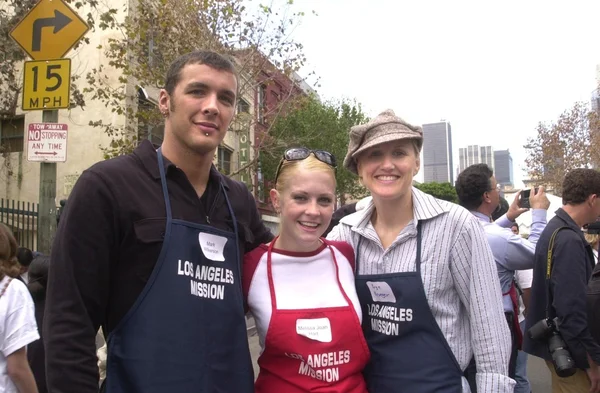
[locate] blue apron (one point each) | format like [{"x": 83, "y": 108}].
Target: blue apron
[
  {"x": 186, "y": 332},
  {"x": 408, "y": 350}
]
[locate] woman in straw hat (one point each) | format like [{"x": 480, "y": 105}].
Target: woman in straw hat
[{"x": 425, "y": 275}]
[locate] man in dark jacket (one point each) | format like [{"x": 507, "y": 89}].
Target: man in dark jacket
[
  {"x": 150, "y": 249},
  {"x": 572, "y": 264}
]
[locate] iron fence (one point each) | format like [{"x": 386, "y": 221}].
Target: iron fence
[{"x": 22, "y": 218}]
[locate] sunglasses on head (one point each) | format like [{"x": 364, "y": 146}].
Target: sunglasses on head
[{"x": 302, "y": 153}]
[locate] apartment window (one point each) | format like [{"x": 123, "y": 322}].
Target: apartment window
[
  {"x": 262, "y": 104},
  {"x": 243, "y": 106},
  {"x": 148, "y": 129},
  {"x": 12, "y": 133},
  {"x": 150, "y": 53},
  {"x": 224, "y": 160}
]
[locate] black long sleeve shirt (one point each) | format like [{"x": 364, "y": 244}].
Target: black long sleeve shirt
[
  {"x": 107, "y": 244},
  {"x": 572, "y": 266}
]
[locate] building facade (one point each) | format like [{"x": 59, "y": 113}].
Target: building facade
[
  {"x": 273, "y": 94},
  {"x": 474, "y": 154},
  {"x": 596, "y": 92},
  {"x": 503, "y": 169},
  {"x": 20, "y": 179},
  {"x": 437, "y": 153}
]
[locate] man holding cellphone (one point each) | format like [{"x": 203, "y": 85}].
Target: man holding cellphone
[{"x": 478, "y": 192}]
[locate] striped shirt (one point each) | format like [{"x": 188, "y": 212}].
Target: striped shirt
[{"x": 459, "y": 275}]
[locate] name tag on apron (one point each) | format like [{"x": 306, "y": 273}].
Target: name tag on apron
[
  {"x": 318, "y": 329},
  {"x": 381, "y": 292},
  {"x": 212, "y": 246}
]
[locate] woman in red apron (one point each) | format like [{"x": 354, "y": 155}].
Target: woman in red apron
[{"x": 300, "y": 288}]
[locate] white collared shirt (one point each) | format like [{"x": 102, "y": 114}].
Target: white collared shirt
[{"x": 459, "y": 275}]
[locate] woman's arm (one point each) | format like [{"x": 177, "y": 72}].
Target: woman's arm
[{"x": 19, "y": 371}]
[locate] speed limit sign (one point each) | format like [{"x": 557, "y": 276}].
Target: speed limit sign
[{"x": 46, "y": 84}]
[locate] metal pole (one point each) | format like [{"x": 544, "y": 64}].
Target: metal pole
[{"x": 47, "y": 210}]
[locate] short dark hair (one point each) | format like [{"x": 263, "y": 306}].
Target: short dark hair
[
  {"x": 211, "y": 59},
  {"x": 25, "y": 256},
  {"x": 579, "y": 184},
  {"x": 471, "y": 184},
  {"x": 38, "y": 277}
]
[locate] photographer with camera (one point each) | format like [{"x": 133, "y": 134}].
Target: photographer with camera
[
  {"x": 478, "y": 191},
  {"x": 557, "y": 320}
]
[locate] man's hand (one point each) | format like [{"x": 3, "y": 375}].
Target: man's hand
[
  {"x": 539, "y": 200},
  {"x": 514, "y": 210},
  {"x": 593, "y": 374}
]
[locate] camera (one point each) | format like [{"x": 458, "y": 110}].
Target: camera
[
  {"x": 524, "y": 198},
  {"x": 547, "y": 330}
]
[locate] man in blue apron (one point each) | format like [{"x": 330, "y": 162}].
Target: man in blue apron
[{"x": 151, "y": 248}]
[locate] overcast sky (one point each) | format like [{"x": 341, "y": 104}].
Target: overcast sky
[{"x": 493, "y": 70}]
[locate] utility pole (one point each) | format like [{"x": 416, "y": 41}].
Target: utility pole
[{"x": 47, "y": 210}]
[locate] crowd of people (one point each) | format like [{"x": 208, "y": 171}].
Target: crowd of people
[{"x": 399, "y": 292}]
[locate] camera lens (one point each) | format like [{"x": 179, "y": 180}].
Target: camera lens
[
  {"x": 539, "y": 331},
  {"x": 561, "y": 358}
]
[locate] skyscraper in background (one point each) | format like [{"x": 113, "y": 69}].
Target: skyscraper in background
[
  {"x": 596, "y": 103},
  {"x": 596, "y": 92},
  {"x": 503, "y": 169},
  {"x": 437, "y": 153},
  {"x": 474, "y": 154}
]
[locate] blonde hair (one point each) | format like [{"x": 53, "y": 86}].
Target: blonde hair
[
  {"x": 9, "y": 265},
  {"x": 290, "y": 168},
  {"x": 592, "y": 239}
]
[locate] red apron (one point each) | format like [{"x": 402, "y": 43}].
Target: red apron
[
  {"x": 312, "y": 350},
  {"x": 514, "y": 298}
]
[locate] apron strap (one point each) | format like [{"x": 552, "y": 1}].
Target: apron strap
[
  {"x": 235, "y": 231},
  {"x": 270, "y": 274},
  {"x": 357, "y": 257},
  {"x": 417, "y": 259},
  {"x": 163, "y": 181}
]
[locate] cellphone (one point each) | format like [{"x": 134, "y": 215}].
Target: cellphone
[{"x": 524, "y": 198}]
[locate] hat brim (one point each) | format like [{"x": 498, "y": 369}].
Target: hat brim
[{"x": 385, "y": 138}]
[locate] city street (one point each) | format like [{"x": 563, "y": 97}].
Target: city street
[{"x": 539, "y": 375}]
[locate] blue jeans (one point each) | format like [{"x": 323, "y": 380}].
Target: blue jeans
[{"x": 521, "y": 370}]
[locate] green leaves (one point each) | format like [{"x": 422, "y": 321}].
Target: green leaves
[
  {"x": 317, "y": 125},
  {"x": 445, "y": 191}
]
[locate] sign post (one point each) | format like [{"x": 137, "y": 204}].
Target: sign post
[
  {"x": 48, "y": 31},
  {"x": 47, "y": 210}
]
